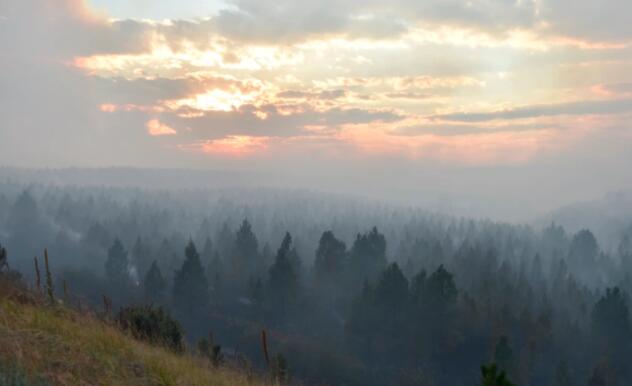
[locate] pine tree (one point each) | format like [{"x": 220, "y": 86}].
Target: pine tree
[
  {"x": 244, "y": 257},
  {"x": 117, "y": 265},
  {"x": 367, "y": 256},
  {"x": 391, "y": 291},
  {"x": 155, "y": 284},
  {"x": 190, "y": 286},
  {"x": 330, "y": 257},
  {"x": 611, "y": 317},
  {"x": 440, "y": 290},
  {"x": 282, "y": 279},
  {"x": 611, "y": 328},
  {"x": 584, "y": 247},
  {"x": 418, "y": 288}
]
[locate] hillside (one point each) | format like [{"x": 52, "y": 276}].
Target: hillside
[
  {"x": 609, "y": 218},
  {"x": 59, "y": 346}
]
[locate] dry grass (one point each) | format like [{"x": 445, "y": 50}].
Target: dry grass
[{"x": 69, "y": 348}]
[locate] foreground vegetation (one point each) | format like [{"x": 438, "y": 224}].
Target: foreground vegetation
[{"x": 52, "y": 344}]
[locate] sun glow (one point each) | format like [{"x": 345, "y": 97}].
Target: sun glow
[
  {"x": 214, "y": 100},
  {"x": 234, "y": 145}
]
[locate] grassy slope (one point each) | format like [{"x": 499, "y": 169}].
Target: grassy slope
[{"x": 69, "y": 348}]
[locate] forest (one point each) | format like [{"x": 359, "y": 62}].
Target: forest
[{"x": 349, "y": 291}]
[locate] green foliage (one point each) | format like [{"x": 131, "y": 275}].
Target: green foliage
[
  {"x": 153, "y": 325},
  {"x": 190, "y": 287},
  {"x": 492, "y": 377}
]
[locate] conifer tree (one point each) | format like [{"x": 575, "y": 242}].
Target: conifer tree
[
  {"x": 117, "y": 264},
  {"x": 367, "y": 256},
  {"x": 154, "y": 284},
  {"x": 329, "y": 259},
  {"x": 282, "y": 278},
  {"x": 244, "y": 257},
  {"x": 190, "y": 286}
]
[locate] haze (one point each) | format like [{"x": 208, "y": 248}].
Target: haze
[{"x": 502, "y": 109}]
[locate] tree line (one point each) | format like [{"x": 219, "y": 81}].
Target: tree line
[{"x": 414, "y": 300}]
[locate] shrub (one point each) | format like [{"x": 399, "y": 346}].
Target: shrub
[{"x": 153, "y": 325}]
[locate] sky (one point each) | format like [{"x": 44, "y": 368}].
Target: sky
[{"x": 522, "y": 104}]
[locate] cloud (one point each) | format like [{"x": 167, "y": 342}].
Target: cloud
[
  {"x": 290, "y": 21},
  {"x": 599, "y": 107},
  {"x": 614, "y": 89},
  {"x": 232, "y": 145},
  {"x": 368, "y": 81},
  {"x": 322, "y": 95},
  {"x": 248, "y": 121},
  {"x": 29, "y": 27},
  {"x": 593, "y": 20},
  {"x": 452, "y": 129},
  {"x": 156, "y": 128}
]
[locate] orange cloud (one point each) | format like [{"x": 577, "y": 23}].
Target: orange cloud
[
  {"x": 108, "y": 108},
  {"x": 234, "y": 145},
  {"x": 472, "y": 149},
  {"x": 156, "y": 128}
]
